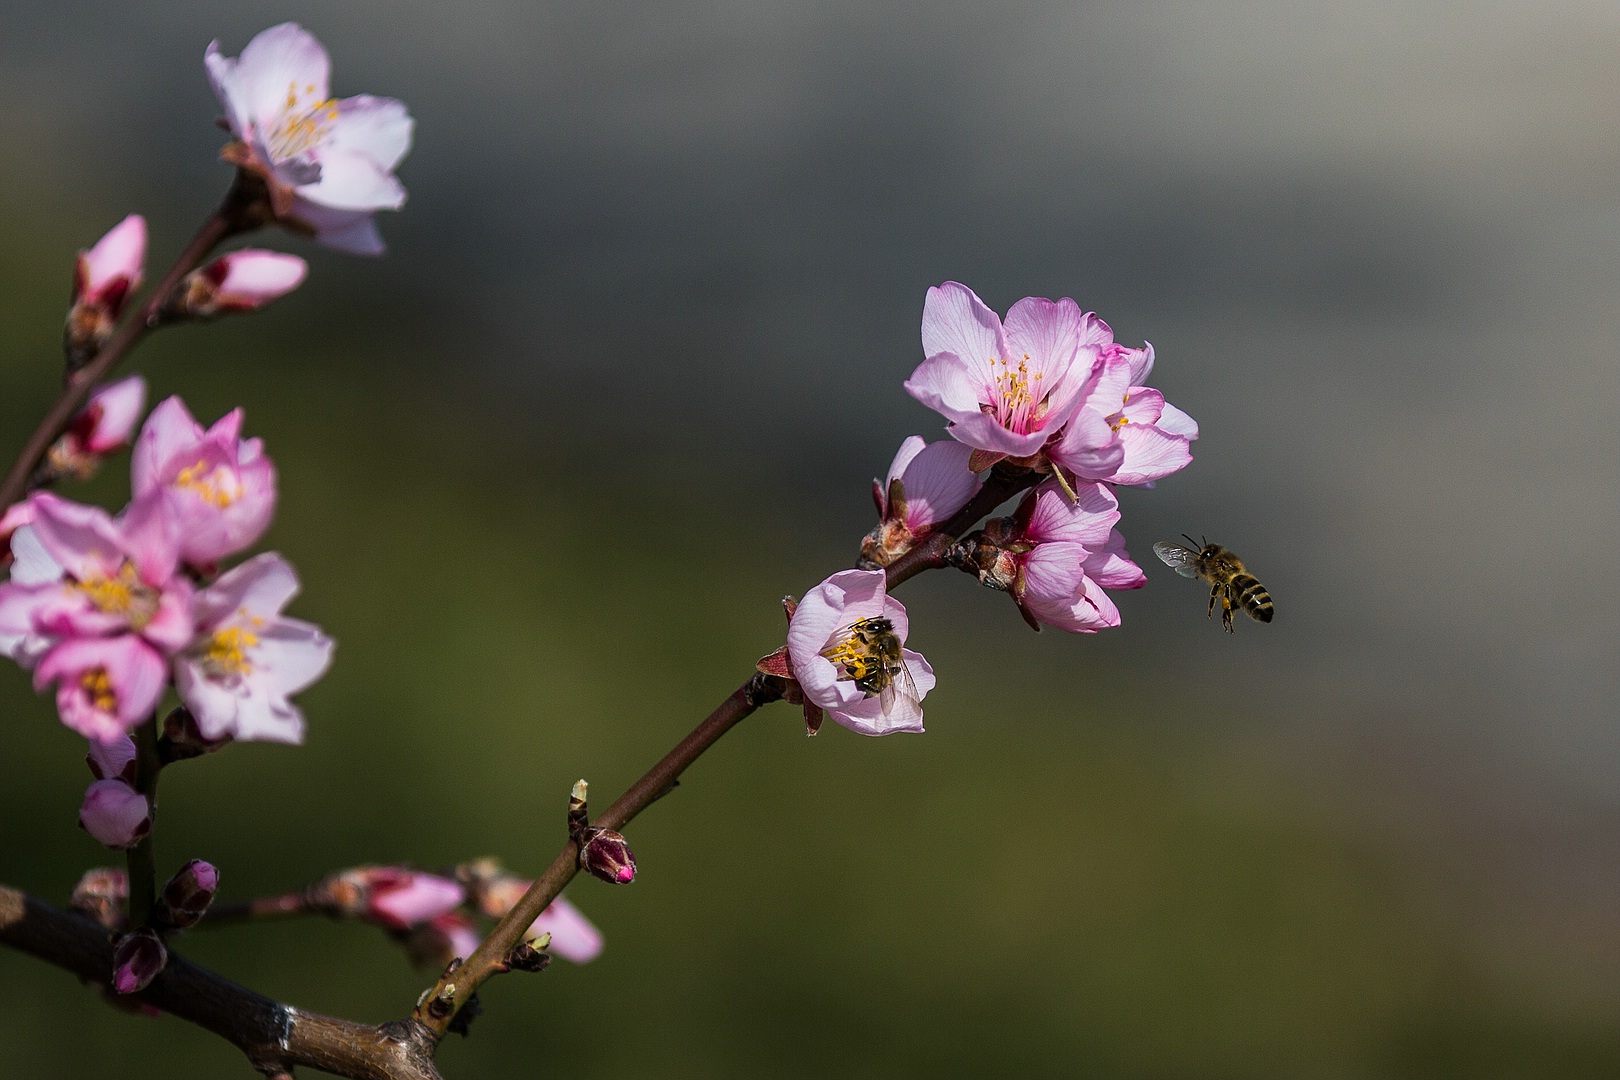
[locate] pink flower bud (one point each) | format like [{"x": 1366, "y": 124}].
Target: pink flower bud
[
  {"x": 103, "y": 279},
  {"x": 607, "y": 856},
  {"x": 113, "y": 760},
  {"x": 110, "y": 271},
  {"x": 115, "y": 814},
  {"x": 187, "y": 895},
  {"x": 137, "y": 959},
  {"x": 239, "y": 281},
  {"x": 102, "y": 894}
]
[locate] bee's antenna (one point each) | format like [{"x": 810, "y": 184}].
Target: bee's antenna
[
  {"x": 1195, "y": 543},
  {"x": 1206, "y": 540}
]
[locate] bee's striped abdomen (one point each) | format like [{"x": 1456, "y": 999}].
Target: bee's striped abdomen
[{"x": 1252, "y": 597}]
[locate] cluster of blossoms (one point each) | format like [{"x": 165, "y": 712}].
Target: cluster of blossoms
[
  {"x": 1047, "y": 394},
  {"x": 114, "y": 610}
]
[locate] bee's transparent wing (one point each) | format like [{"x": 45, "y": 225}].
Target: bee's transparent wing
[
  {"x": 1182, "y": 559},
  {"x": 899, "y": 700}
]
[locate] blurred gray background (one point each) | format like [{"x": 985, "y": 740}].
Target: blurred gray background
[{"x": 655, "y": 291}]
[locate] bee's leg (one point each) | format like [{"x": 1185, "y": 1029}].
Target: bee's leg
[
  {"x": 1214, "y": 595},
  {"x": 1226, "y": 612}
]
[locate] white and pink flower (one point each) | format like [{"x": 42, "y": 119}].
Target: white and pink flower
[
  {"x": 1124, "y": 432},
  {"x": 219, "y": 489},
  {"x": 248, "y": 658},
  {"x": 824, "y": 637},
  {"x": 926, "y": 484},
  {"x": 329, "y": 163},
  {"x": 100, "y": 607},
  {"x": 1006, "y": 387}
]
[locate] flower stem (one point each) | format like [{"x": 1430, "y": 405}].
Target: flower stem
[
  {"x": 141, "y": 861},
  {"x": 223, "y": 222},
  {"x": 454, "y": 988}
]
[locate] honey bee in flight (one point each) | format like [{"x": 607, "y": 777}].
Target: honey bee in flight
[
  {"x": 872, "y": 658},
  {"x": 1229, "y": 582}
]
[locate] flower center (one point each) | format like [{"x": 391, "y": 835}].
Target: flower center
[
  {"x": 219, "y": 486},
  {"x": 98, "y": 689},
  {"x": 304, "y": 123},
  {"x": 1021, "y": 399},
  {"x": 226, "y": 655},
  {"x": 125, "y": 595}
]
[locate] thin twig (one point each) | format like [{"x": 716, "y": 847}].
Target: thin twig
[{"x": 230, "y": 218}]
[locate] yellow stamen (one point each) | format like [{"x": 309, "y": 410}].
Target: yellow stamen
[
  {"x": 98, "y": 688},
  {"x": 218, "y": 485},
  {"x": 227, "y": 651},
  {"x": 125, "y": 595},
  {"x": 302, "y": 125}
]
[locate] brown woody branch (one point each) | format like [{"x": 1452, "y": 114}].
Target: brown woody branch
[{"x": 275, "y": 1037}]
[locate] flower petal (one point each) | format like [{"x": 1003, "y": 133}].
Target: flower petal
[
  {"x": 352, "y": 181},
  {"x": 377, "y": 127},
  {"x": 283, "y": 62}
]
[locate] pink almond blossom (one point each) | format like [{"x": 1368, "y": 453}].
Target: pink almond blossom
[
  {"x": 1055, "y": 554},
  {"x": 99, "y": 610},
  {"x": 926, "y": 484},
  {"x": 115, "y": 814},
  {"x": 248, "y": 658},
  {"x": 825, "y": 622},
  {"x": 1124, "y": 432},
  {"x": 219, "y": 488},
  {"x": 329, "y": 163},
  {"x": 573, "y": 937},
  {"x": 238, "y": 281},
  {"x": 1006, "y": 387}
]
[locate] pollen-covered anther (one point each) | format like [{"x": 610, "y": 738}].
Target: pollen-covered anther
[
  {"x": 227, "y": 652},
  {"x": 302, "y": 126},
  {"x": 98, "y": 687},
  {"x": 218, "y": 485},
  {"x": 123, "y": 594}
]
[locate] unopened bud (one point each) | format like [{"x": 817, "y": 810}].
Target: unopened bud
[
  {"x": 183, "y": 739},
  {"x": 605, "y": 855},
  {"x": 104, "y": 425},
  {"x": 531, "y": 955},
  {"x": 114, "y": 760},
  {"x": 236, "y": 282},
  {"x": 187, "y": 895},
  {"x": 115, "y": 814},
  {"x": 991, "y": 554},
  {"x": 578, "y": 820},
  {"x": 103, "y": 279},
  {"x": 102, "y": 894},
  {"x": 137, "y": 959}
]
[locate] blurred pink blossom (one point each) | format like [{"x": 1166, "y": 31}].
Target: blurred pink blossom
[
  {"x": 573, "y": 937},
  {"x": 329, "y": 164},
  {"x": 114, "y": 760},
  {"x": 218, "y": 488},
  {"x": 400, "y": 899}
]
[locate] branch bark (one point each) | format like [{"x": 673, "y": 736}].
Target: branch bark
[{"x": 275, "y": 1037}]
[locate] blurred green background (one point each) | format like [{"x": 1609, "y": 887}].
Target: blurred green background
[{"x": 547, "y": 469}]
